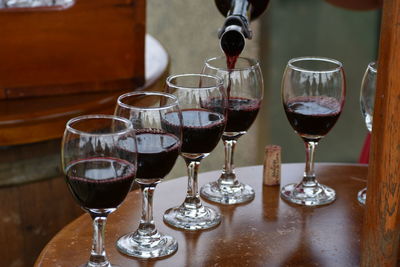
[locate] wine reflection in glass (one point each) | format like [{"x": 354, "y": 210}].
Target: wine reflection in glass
[
  {"x": 367, "y": 100},
  {"x": 245, "y": 88},
  {"x": 99, "y": 162},
  {"x": 313, "y": 94},
  {"x": 202, "y": 127},
  {"x": 158, "y": 148}
]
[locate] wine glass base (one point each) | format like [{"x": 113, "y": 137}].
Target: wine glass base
[
  {"x": 362, "y": 196},
  {"x": 308, "y": 196},
  {"x": 192, "y": 218},
  {"x": 227, "y": 194},
  {"x": 92, "y": 264},
  {"x": 147, "y": 246}
]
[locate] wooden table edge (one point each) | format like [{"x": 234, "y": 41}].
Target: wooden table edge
[{"x": 82, "y": 217}]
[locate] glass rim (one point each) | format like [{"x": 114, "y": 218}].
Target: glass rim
[
  {"x": 147, "y": 93},
  {"x": 254, "y": 63},
  {"x": 311, "y": 58},
  {"x": 372, "y": 66},
  {"x": 71, "y": 129},
  {"x": 219, "y": 81}
]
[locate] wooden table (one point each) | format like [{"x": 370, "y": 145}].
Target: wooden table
[{"x": 265, "y": 232}]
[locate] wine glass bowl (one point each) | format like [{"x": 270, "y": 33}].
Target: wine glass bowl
[
  {"x": 244, "y": 85},
  {"x": 99, "y": 162},
  {"x": 158, "y": 148},
  {"x": 313, "y": 94},
  {"x": 202, "y": 126},
  {"x": 367, "y": 101}
]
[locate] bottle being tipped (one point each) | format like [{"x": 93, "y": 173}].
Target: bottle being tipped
[{"x": 236, "y": 27}]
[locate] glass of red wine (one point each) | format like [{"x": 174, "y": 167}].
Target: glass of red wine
[
  {"x": 158, "y": 149},
  {"x": 313, "y": 94},
  {"x": 244, "y": 85},
  {"x": 367, "y": 101},
  {"x": 99, "y": 162},
  {"x": 202, "y": 126}
]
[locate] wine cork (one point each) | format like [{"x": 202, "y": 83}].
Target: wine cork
[{"x": 272, "y": 165}]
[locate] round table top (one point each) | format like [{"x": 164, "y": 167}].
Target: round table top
[{"x": 264, "y": 232}]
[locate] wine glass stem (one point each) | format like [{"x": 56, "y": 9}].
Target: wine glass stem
[
  {"x": 98, "y": 254},
  {"x": 192, "y": 197},
  {"x": 228, "y": 173},
  {"x": 309, "y": 174},
  {"x": 146, "y": 225}
]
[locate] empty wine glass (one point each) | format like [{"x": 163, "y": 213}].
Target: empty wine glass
[
  {"x": 313, "y": 94},
  {"x": 245, "y": 88},
  {"x": 202, "y": 129},
  {"x": 367, "y": 100},
  {"x": 158, "y": 149},
  {"x": 99, "y": 162}
]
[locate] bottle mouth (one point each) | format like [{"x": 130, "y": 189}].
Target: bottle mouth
[{"x": 232, "y": 40}]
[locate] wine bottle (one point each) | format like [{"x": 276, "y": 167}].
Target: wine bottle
[{"x": 236, "y": 27}]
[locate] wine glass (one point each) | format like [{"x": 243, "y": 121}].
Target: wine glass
[
  {"x": 367, "y": 100},
  {"x": 245, "y": 88},
  {"x": 313, "y": 94},
  {"x": 99, "y": 162},
  {"x": 202, "y": 128},
  {"x": 158, "y": 149}
]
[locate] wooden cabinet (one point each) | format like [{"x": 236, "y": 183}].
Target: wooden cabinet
[{"x": 95, "y": 45}]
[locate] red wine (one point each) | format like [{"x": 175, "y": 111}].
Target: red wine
[
  {"x": 241, "y": 112},
  {"x": 201, "y": 129},
  {"x": 231, "y": 60},
  {"x": 230, "y": 64},
  {"x": 312, "y": 117},
  {"x": 158, "y": 152},
  {"x": 100, "y": 183}
]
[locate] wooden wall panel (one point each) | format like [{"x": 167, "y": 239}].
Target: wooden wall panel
[{"x": 31, "y": 215}]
